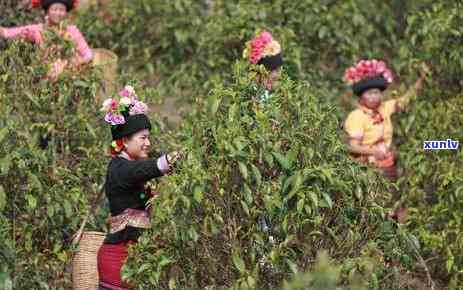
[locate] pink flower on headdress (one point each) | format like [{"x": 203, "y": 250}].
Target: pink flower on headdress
[
  {"x": 114, "y": 104},
  {"x": 255, "y": 56},
  {"x": 124, "y": 94},
  {"x": 367, "y": 69},
  {"x": 114, "y": 119},
  {"x": 138, "y": 108},
  {"x": 128, "y": 104},
  {"x": 119, "y": 119},
  {"x": 256, "y": 48},
  {"x": 272, "y": 48},
  {"x": 106, "y": 105},
  {"x": 266, "y": 37},
  {"x": 125, "y": 101},
  {"x": 388, "y": 76},
  {"x": 127, "y": 92}
]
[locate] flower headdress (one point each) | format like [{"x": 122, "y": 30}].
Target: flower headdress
[
  {"x": 70, "y": 4},
  {"x": 126, "y": 115},
  {"x": 262, "y": 47},
  {"x": 368, "y": 74},
  {"x": 365, "y": 69},
  {"x": 117, "y": 111}
]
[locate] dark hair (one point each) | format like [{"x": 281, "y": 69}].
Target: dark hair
[
  {"x": 68, "y": 3},
  {"x": 271, "y": 62},
  {"x": 132, "y": 125},
  {"x": 378, "y": 82}
]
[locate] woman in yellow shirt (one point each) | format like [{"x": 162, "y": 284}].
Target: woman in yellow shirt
[{"x": 369, "y": 127}]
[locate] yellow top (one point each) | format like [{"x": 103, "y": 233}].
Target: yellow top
[{"x": 361, "y": 124}]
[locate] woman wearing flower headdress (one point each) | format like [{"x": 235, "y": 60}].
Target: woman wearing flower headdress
[
  {"x": 369, "y": 126},
  {"x": 266, "y": 51},
  {"x": 56, "y": 12},
  {"x": 128, "y": 171}
]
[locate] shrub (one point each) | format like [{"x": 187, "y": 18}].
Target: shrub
[{"x": 282, "y": 160}]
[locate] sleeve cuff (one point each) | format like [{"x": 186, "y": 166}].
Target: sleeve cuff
[
  {"x": 12, "y": 32},
  {"x": 162, "y": 164}
]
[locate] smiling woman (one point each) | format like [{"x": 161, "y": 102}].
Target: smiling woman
[
  {"x": 128, "y": 171},
  {"x": 56, "y": 12}
]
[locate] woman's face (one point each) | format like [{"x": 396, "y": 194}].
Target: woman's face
[
  {"x": 138, "y": 145},
  {"x": 372, "y": 98},
  {"x": 272, "y": 78},
  {"x": 56, "y": 13},
  {"x": 275, "y": 74}
]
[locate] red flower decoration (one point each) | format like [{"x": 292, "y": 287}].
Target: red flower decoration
[
  {"x": 116, "y": 147},
  {"x": 36, "y": 3},
  {"x": 114, "y": 104},
  {"x": 120, "y": 143}
]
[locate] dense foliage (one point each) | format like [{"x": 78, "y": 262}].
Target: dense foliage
[
  {"x": 284, "y": 160},
  {"x": 50, "y": 163},
  {"x": 432, "y": 184}
]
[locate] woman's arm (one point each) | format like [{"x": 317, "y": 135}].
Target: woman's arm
[
  {"x": 84, "y": 53},
  {"x": 355, "y": 146},
  {"x": 403, "y": 101},
  {"x": 30, "y": 32},
  {"x": 143, "y": 170}
]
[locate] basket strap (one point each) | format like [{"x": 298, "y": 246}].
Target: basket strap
[{"x": 78, "y": 235}]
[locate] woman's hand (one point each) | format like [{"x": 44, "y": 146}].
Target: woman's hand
[
  {"x": 2, "y": 32},
  {"x": 57, "y": 69},
  {"x": 356, "y": 147},
  {"x": 380, "y": 154},
  {"x": 412, "y": 92},
  {"x": 173, "y": 157},
  {"x": 75, "y": 61}
]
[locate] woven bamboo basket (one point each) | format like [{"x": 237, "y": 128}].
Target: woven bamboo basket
[
  {"x": 84, "y": 264},
  {"x": 107, "y": 61}
]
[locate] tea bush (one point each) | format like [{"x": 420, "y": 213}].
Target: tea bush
[
  {"x": 432, "y": 180},
  {"x": 50, "y": 166},
  {"x": 282, "y": 160},
  {"x": 432, "y": 184}
]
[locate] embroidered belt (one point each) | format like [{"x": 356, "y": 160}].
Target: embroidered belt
[{"x": 130, "y": 217}]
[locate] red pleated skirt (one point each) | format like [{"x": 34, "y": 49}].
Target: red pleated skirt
[{"x": 111, "y": 258}]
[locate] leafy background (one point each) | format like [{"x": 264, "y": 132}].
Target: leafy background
[{"x": 285, "y": 160}]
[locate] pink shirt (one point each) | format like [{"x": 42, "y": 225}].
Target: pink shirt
[{"x": 34, "y": 33}]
